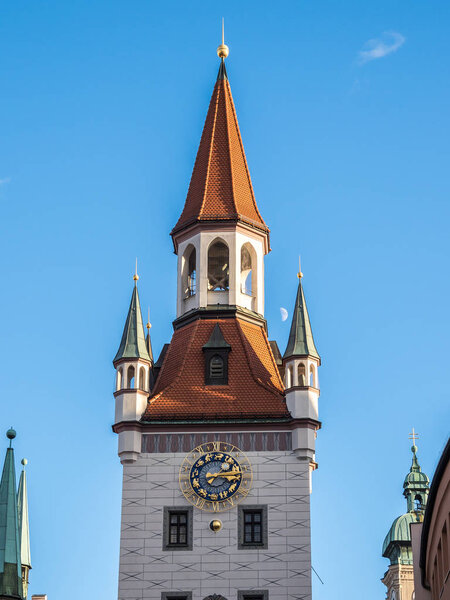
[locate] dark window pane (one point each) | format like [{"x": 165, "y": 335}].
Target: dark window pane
[
  {"x": 253, "y": 533},
  {"x": 178, "y": 529}
]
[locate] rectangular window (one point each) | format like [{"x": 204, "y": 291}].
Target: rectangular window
[
  {"x": 176, "y": 595},
  {"x": 252, "y": 527},
  {"x": 177, "y": 529},
  {"x": 253, "y": 595}
]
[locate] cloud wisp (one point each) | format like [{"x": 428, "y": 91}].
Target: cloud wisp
[{"x": 387, "y": 43}]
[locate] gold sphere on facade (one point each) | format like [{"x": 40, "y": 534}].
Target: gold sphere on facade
[
  {"x": 215, "y": 525},
  {"x": 223, "y": 51}
]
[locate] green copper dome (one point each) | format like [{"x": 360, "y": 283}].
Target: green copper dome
[{"x": 396, "y": 545}]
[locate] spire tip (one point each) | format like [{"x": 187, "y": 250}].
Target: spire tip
[
  {"x": 299, "y": 274},
  {"x": 135, "y": 276},
  {"x": 223, "y": 51}
]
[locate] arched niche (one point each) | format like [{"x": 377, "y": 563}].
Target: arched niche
[
  {"x": 130, "y": 377},
  {"x": 218, "y": 266},
  {"x": 189, "y": 273},
  {"x": 249, "y": 273},
  {"x": 301, "y": 371}
]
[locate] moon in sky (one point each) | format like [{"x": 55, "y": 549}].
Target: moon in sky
[{"x": 284, "y": 313}]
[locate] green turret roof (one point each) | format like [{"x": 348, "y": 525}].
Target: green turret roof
[
  {"x": 10, "y": 566},
  {"x": 416, "y": 485},
  {"x": 301, "y": 341},
  {"x": 397, "y": 543},
  {"x": 22, "y": 509},
  {"x": 133, "y": 344}
]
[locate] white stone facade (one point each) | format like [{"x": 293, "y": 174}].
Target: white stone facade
[{"x": 215, "y": 565}]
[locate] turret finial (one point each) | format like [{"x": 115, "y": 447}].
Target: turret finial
[
  {"x": 223, "y": 51},
  {"x": 11, "y": 434},
  {"x": 24, "y": 462},
  {"x": 149, "y": 325},
  {"x": 299, "y": 274},
  {"x": 135, "y": 276},
  {"x": 413, "y": 436}
]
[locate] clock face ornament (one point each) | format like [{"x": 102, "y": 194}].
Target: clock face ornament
[{"x": 215, "y": 476}]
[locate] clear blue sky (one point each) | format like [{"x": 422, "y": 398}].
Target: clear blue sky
[{"x": 101, "y": 109}]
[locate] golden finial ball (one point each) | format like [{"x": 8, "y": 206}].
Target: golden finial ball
[
  {"x": 24, "y": 461},
  {"x": 215, "y": 525},
  {"x": 149, "y": 325},
  {"x": 223, "y": 51},
  {"x": 135, "y": 277}
]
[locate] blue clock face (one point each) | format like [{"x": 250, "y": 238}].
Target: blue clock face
[{"x": 215, "y": 476}]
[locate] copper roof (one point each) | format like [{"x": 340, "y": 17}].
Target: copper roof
[
  {"x": 254, "y": 388},
  {"x": 221, "y": 188}
]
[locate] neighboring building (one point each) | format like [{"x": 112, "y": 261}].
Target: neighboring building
[
  {"x": 431, "y": 539},
  {"x": 15, "y": 561},
  {"x": 217, "y": 438},
  {"x": 399, "y": 578}
]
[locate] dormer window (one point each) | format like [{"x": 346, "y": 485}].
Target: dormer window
[{"x": 216, "y": 352}]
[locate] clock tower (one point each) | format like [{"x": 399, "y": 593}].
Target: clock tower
[{"x": 217, "y": 437}]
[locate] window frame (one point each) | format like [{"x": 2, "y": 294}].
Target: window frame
[
  {"x": 253, "y": 594},
  {"x": 176, "y": 595},
  {"x": 168, "y": 512},
  {"x": 242, "y": 544}
]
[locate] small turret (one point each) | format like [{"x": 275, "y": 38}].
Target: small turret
[
  {"x": 133, "y": 363},
  {"x": 416, "y": 486},
  {"x": 10, "y": 565},
  {"x": 397, "y": 543},
  {"x": 24, "y": 529},
  {"x": 301, "y": 361}
]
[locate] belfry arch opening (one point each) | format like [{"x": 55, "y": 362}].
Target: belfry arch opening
[
  {"x": 312, "y": 376},
  {"x": 142, "y": 379},
  {"x": 189, "y": 267},
  {"x": 248, "y": 275},
  {"x": 130, "y": 377},
  {"x": 301, "y": 374},
  {"x": 218, "y": 267}
]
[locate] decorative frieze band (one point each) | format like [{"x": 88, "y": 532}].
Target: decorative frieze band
[{"x": 246, "y": 441}]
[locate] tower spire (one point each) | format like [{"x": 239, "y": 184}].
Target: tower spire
[
  {"x": 220, "y": 189},
  {"x": 24, "y": 529},
  {"x": 133, "y": 343},
  {"x": 301, "y": 341},
  {"x": 10, "y": 569}
]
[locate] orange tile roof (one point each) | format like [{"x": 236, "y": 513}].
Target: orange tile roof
[
  {"x": 221, "y": 188},
  {"x": 254, "y": 388}
]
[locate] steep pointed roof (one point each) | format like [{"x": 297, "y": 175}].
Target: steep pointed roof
[
  {"x": 133, "y": 344},
  {"x": 10, "y": 569},
  {"x": 221, "y": 188},
  {"x": 301, "y": 341},
  {"x": 24, "y": 528}
]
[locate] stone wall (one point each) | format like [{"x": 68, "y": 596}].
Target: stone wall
[{"x": 215, "y": 565}]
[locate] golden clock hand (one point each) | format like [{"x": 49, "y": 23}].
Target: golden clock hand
[{"x": 226, "y": 475}]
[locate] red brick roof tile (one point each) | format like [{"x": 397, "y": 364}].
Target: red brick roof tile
[
  {"x": 254, "y": 388},
  {"x": 221, "y": 188}
]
